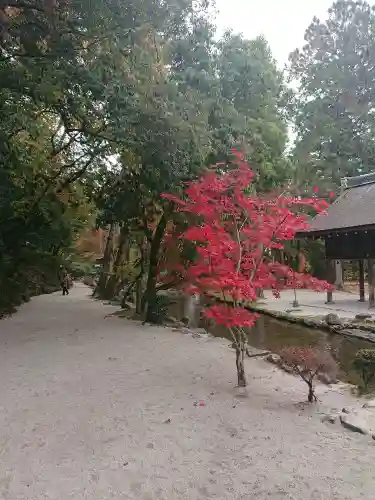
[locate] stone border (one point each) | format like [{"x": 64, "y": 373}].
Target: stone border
[{"x": 349, "y": 329}]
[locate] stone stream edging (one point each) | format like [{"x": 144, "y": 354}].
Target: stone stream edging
[{"x": 331, "y": 323}]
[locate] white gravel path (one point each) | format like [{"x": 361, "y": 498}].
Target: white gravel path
[{"x": 84, "y": 401}]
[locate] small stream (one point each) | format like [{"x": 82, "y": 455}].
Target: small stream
[{"x": 274, "y": 334}]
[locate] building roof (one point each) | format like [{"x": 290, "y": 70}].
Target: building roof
[{"x": 353, "y": 209}]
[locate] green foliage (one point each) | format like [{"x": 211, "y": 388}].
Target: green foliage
[
  {"x": 333, "y": 108},
  {"x": 158, "y": 309},
  {"x": 364, "y": 364},
  {"x": 315, "y": 253},
  {"x": 112, "y": 103},
  {"x": 64, "y": 120},
  {"x": 189, "y": 118},
  {"x": 82, "y": 269},
  {"x": 252, "y": 84},
  {"x": 28, "y": 273}
]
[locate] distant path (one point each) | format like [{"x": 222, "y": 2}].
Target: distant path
[{"x": 85, "y": 404}]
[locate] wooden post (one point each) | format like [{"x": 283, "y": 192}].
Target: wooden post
[
  {"x": 371, "y": 283},
  {"x": 331, "y": 278},
  {"x": 339, "y": 281},
  {"x": 361, "y": 267},
  {"x": 329, "y": 297},
  {"x": 295, "y": 268}
]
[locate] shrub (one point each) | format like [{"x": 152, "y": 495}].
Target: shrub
[
  {"x": 308, "y": 363},
  {"x": 364, "y": 364},
  {"x": 81, "y": 269},
  {"x": 158, "y": 309}
]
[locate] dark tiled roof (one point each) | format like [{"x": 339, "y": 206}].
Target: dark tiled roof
[{"x": 354, "y": 208}]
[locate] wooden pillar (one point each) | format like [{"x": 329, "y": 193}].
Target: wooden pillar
[
  {"x": 371, "y": 283},
  {"x": 361, "y": 268},
  {"x": 331, "y": 278},
  {"x": 339, "y": 281},
  {"x": 329, "y": 297},
  {"x": 296, "y": 264}
]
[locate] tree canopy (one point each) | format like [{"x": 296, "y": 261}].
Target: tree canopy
[
  {"x": 333, "y": 109},
  {"x": 108, "y": 104}
]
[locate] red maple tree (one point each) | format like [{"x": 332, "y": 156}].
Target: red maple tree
[
  {"x": 308, "y": 363},
  {"x": 236, "y": 235}
]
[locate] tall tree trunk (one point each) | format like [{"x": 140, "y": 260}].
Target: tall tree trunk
[
  {"x": 107, "y": 263},
  {"x": 113, "y": 282},
  {"x": 150, "y": 294},
  {"x": 139, "y": 296}
]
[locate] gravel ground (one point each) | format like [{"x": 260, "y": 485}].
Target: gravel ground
[{"x": 102, "y": 408}]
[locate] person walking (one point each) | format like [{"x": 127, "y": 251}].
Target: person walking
[{"x": 65, "y": 283}]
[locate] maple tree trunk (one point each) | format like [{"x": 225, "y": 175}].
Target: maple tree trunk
[
  {"x": 114, "y": 279},
  {"x": 150, "y": 294},
  {"x": 311, "y": 397},
  {"x": 107, "y": 263},
  {"x": 240, "y": 363}
]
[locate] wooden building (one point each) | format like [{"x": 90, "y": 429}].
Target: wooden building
[{"x": 348, "y": 230}]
